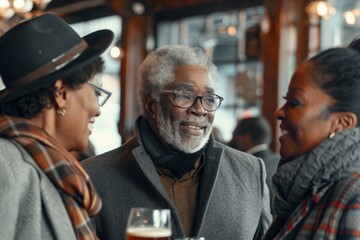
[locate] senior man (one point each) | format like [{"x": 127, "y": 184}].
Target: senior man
[{"x": 173, "y": 162}]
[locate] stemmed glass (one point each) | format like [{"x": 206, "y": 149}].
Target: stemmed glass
[{"x": 148, "y": 224}]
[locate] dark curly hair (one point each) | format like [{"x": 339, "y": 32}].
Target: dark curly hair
[{"x": 31, "y": 104}]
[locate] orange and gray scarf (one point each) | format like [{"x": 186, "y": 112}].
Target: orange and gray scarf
[{"x": 72, "y": 182}]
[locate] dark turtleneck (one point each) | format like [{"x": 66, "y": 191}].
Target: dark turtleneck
[{"x": 178, "y": 163}]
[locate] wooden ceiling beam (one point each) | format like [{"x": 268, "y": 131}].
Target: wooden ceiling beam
[
  {"x": 124, "y": 7},
  {"x": 77, "y": 6}
]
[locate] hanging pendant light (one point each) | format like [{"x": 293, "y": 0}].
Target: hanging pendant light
[
  {"x": 321, "y": 9},
  {"x": 22, "y": 6},
  {"x": 9, "y": 8},
  {"x": 6, "y": 10}
]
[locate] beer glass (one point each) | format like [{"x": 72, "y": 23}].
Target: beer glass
[
  {"x": 190, "y": 238},
  {"x": 148, "y": 224}
]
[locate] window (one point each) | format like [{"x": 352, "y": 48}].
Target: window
[
  {"x": 105, "y": 134},
  {"x": 232, "y": 41}
]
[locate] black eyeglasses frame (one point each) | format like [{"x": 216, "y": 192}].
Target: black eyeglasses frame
[
  {"x": 197, "y": 97},
  {"x": 102, "y": 91}
]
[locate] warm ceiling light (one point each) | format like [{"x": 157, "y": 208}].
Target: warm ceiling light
[
  {"x": 350, "y": 17},
  {"x": 8, "y": 8},
  {"x": 116, "y": 52},
  {"x": 138, "y": 8},
  {"x": 321, "y": 9},
  {"x": 231, "y": 30},
  {"x": 22, "y": 6},
  {"x": 6, "y": 11}
]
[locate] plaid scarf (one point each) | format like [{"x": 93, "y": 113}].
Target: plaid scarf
[
  {"x": 73, "y": 183},
  {"x": 303, "y": 187}
]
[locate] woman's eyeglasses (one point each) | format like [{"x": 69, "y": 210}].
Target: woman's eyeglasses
[{"x": 102, "y": 94}]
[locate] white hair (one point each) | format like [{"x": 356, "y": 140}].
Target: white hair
[{"x": 156, "y": 71}]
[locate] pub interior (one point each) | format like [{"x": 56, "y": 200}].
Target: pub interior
[{"x": 256, "y": 45}]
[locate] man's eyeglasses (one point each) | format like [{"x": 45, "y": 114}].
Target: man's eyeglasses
[
  {"x": 102, "y": 94},
  {"x": 186, "y": 99}
]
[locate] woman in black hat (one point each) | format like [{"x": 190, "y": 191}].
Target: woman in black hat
[{"x": 51, "y": 98}]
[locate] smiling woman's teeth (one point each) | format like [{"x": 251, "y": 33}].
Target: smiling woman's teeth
[
  {"x": 193, "y": 127},
  {"x": 90, "y": 126},
  {"x": 284, "y": 132}
]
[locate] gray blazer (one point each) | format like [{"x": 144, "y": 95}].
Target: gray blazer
[
  {"x": 233, "y": 201},
  {"x": 30, "y": 205}
]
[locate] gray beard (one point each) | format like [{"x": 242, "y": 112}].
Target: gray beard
[{"x": 171, "y": 135}]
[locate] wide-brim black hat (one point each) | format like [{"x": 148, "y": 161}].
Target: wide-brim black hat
[{"x": 37, "y": 52}]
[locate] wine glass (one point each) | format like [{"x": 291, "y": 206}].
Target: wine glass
[{"x": 148, "y": 224}]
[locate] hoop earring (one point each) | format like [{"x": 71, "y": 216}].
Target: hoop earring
[
  {"x": 332, "y": 135},
  {"x": 62, "y": 111}
]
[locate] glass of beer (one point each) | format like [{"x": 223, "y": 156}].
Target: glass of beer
[
  {"x": 190, "y": 238},
  {"x": 148, "y": 224}
]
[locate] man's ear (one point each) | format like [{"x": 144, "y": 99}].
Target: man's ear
[
  {"x": 345, "y": 120},
  {"x": 60, "y": 97},
  {"x": 150, "y": 106}
]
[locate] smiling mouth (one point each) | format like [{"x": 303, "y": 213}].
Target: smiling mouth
[
  {"x": 193, "y": 129},
  {"x": 90, "y": 127},
  {"x": 284, "y": 132}
]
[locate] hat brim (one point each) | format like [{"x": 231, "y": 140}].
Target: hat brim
[{"x": 97, "y": 41}]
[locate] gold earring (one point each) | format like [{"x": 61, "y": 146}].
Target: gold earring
[
  {"x": 332, "y": 135},
  {"x": 62, "y": 111}
]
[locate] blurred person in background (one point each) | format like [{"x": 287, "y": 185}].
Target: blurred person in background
[
  {"x": 174, "y": 162},
  {"x": 217, "y": 134},
  {"x": 253, "y": 135},
  {"x": 51, "y": 98},
  {"x": 317, "y": 183}
]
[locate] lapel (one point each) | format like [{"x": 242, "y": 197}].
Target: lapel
[
  {"x": 148, "y": 168},
  {"x": 213, "y": 157}
]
